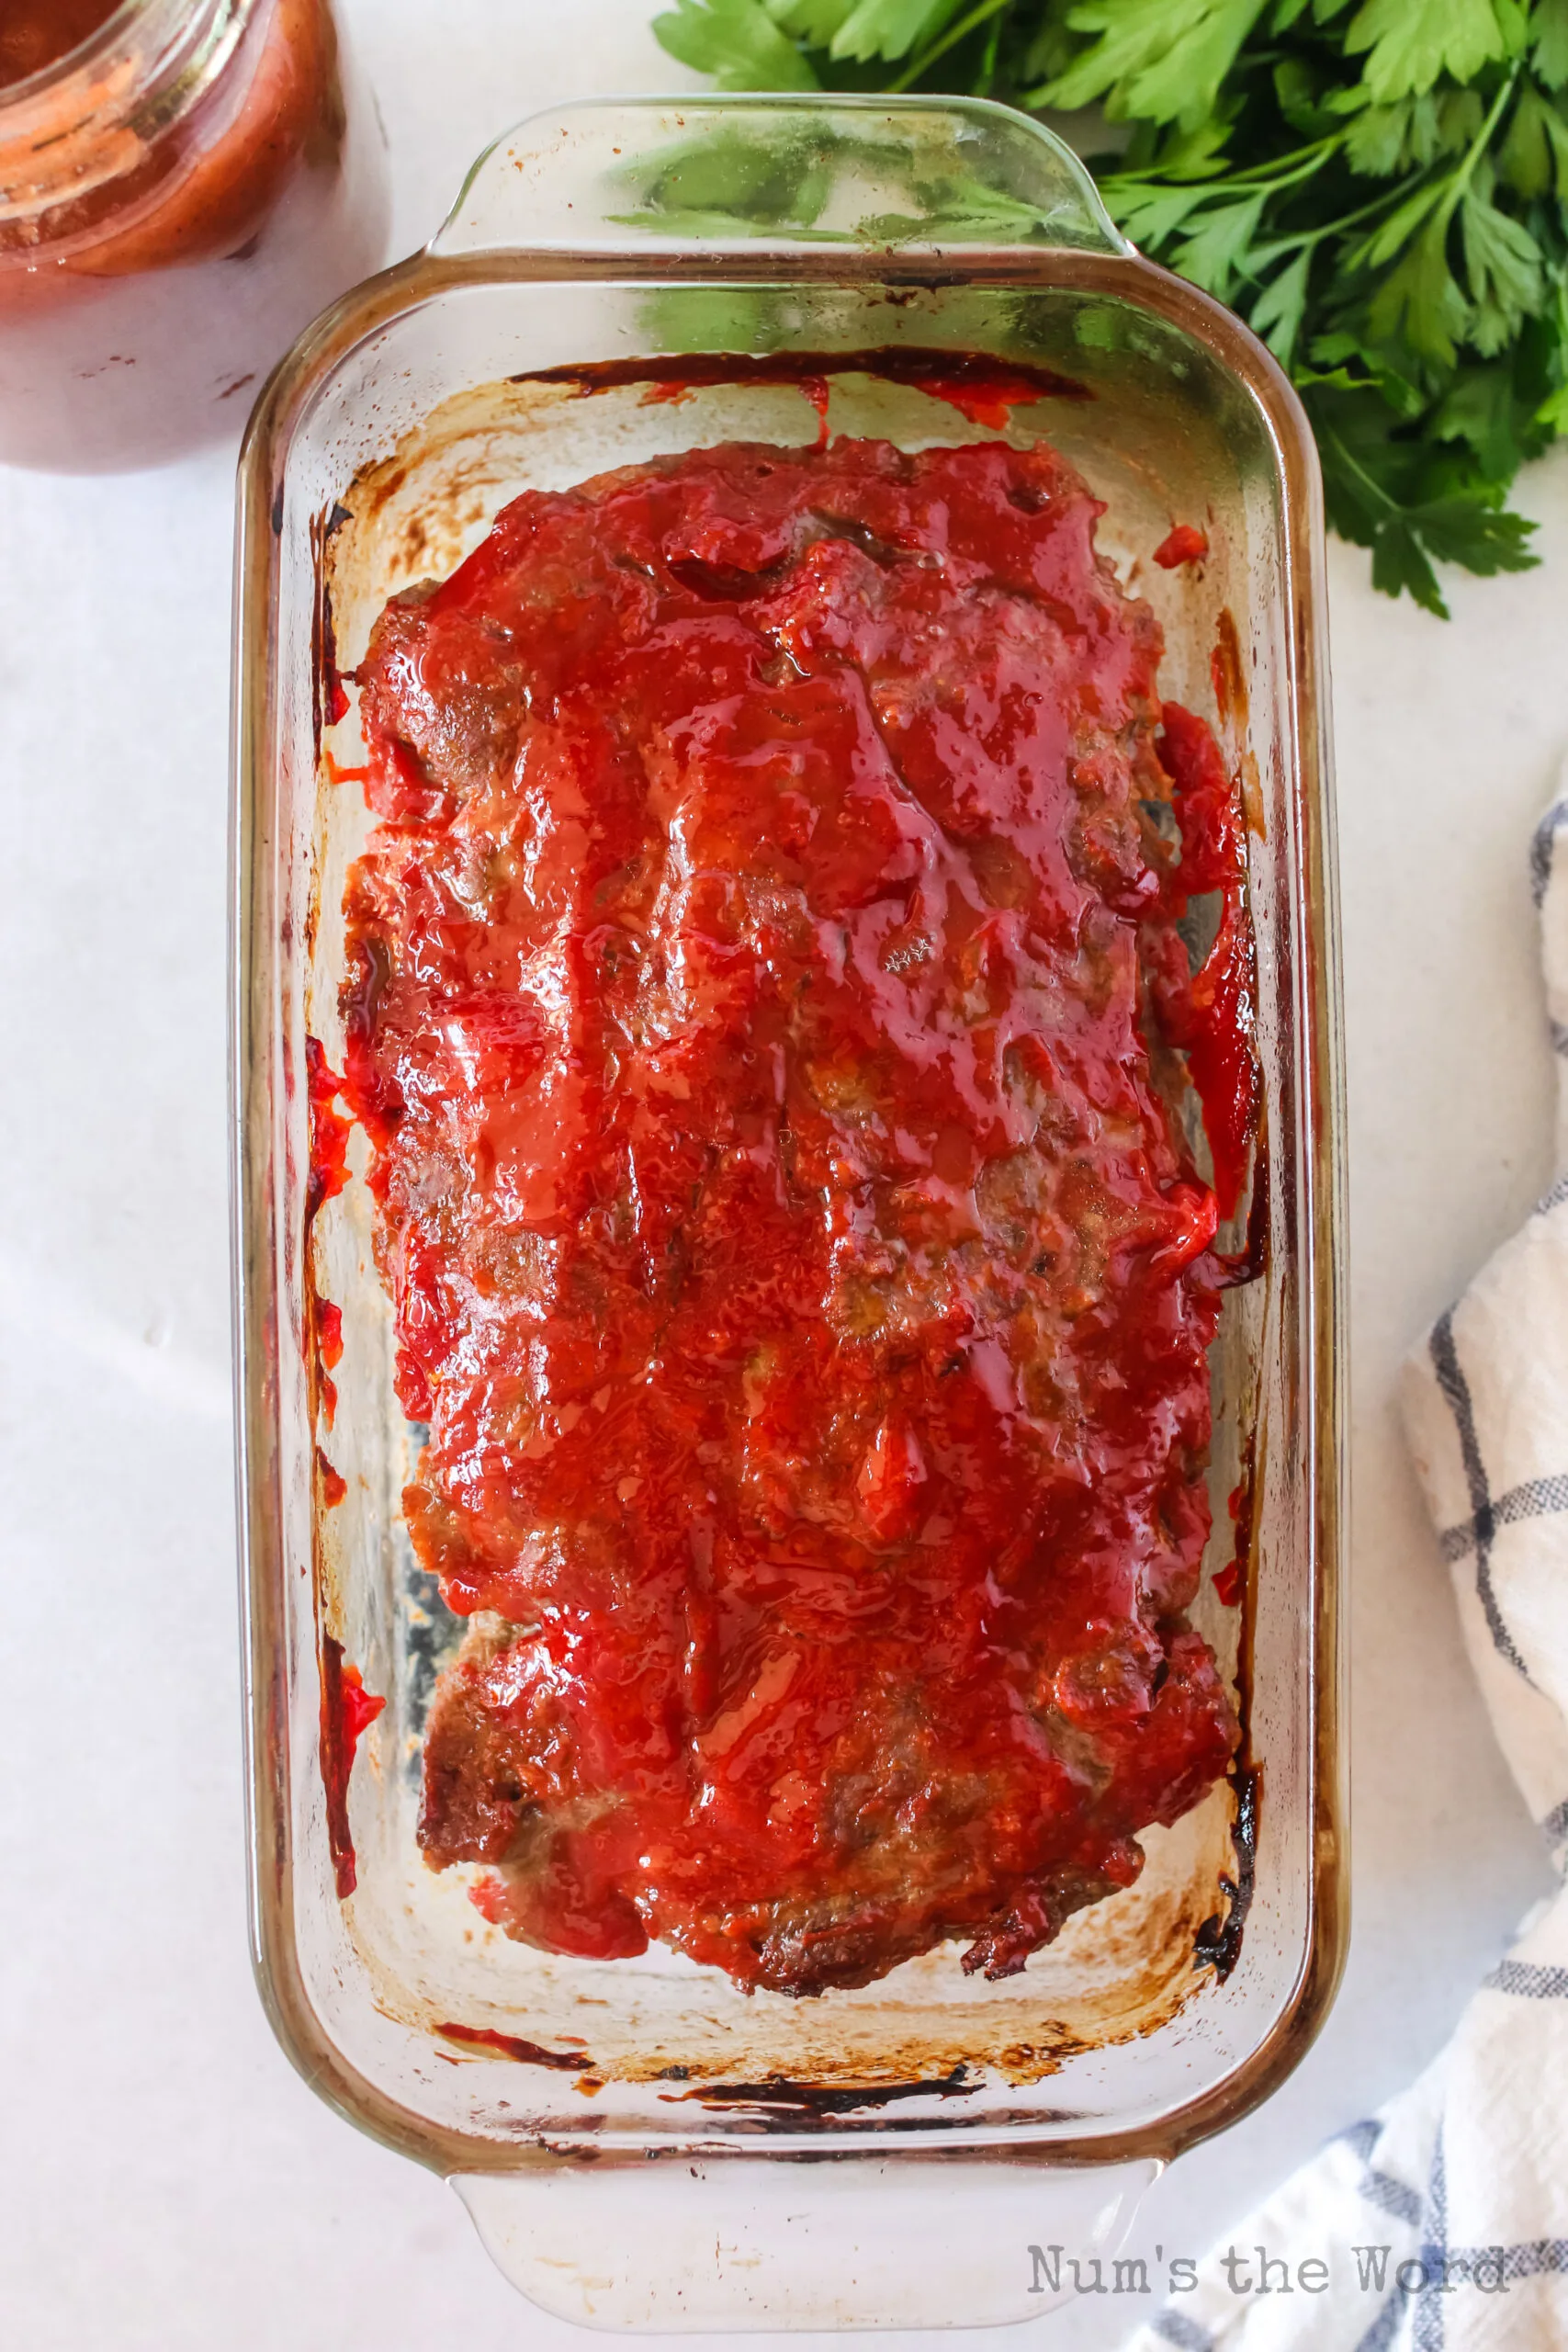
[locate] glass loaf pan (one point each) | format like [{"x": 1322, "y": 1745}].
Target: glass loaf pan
[{"x": 597, "y": 238}]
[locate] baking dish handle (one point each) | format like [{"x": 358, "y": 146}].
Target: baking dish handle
[
  {"x": 849, "y": 2242},
  {"x": 777, "y": 174}
]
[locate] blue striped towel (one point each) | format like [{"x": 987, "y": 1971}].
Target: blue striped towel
[{"x": 1441, "y": 2223}]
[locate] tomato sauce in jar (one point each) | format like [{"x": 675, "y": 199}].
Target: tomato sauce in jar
[
  {"x": 183, "y": 185},
  {"x": 35, "y": 33}
]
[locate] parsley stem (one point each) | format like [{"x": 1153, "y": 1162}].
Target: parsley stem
[
  {"x": 988, "y": 65},
  {"x": 1445, "y": 191},
  {"x": 1298, "y": 165},
  {"x": 1478, "y": 147},
  {"x": 950, "y": 40},
  {"x": 1291, "y": 169},
  {"x": 1327, "y": 433},
  {"x": 1278, "y": 246}
]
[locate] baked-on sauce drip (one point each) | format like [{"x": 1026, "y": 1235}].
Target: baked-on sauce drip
[
  {"x": 348, "y": 1710},
  {"x": 792, "y": 1252}
]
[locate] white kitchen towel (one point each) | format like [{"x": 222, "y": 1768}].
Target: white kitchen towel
[{"x": 1441, "y": 2223}]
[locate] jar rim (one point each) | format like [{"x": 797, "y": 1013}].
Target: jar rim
[
  {"x": 60, "y": 69},
  {"x": 78, "y": 121}
]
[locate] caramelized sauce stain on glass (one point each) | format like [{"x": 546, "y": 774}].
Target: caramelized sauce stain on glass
[
  {"x": 488, "y": 2041},
  {"x": 348, "y": 1710},
  {"x": 984, "y": 389}
]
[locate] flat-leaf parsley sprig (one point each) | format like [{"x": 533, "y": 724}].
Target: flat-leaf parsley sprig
[{"x": 1378, "y": 186}]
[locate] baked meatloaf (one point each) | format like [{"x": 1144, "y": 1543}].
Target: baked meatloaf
[{"x": 751, "y": 1008}]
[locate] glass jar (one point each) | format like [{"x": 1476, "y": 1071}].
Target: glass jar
[{"x": 179, "y": 194}]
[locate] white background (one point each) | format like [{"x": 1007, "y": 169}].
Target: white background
[{"x": 166, "y": 2181}]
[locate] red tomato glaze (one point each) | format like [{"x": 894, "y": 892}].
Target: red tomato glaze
[
  {"x": 348, "y": 1710},
  {"x": 1185, "y": 544},
  {"x": 1211, "y": 1013},
  {"x": 793, "y": 1255}
]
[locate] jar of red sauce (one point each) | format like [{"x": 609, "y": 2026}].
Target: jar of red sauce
[{"x": 184, "y": 184}]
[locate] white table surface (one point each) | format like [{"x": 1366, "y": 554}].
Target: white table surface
[{"x": 166, "y": 2181}]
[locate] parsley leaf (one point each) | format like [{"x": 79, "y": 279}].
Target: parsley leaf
[
  {"x": 1549, "y": 43},
  {"x": 814, "y": 21},
  {"x": 1387, "y": 492},
  {"x": 1472, "y": 531},
  {"x": 1149, "y": 212},
  {"x": 1278, "y": 313},
  {"x": 1413, "y": 42},
  {"x": 1420, "y": 303},
  {"x": 1163, "y": 59},
  {"x": 889, "y": 28},
  {"x": 1412, "y": 132},
  {"x": 1216, "y": 255},
  {"x": 1533, "y": 158},
  {"x": 1378, "y": 186},
  {"x": 1492, "y": 414},
  {"x": 737, "y": 42},
  {"x": 1505, "y": 267}
]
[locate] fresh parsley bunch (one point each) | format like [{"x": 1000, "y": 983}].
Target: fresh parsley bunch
[{"x": 1378, "y": 186}]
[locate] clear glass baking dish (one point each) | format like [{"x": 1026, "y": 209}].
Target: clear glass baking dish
[{"x": 641, "y": 2144}]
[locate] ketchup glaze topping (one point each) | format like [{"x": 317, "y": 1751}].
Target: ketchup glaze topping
[{"x": 761, "y": 1000}]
